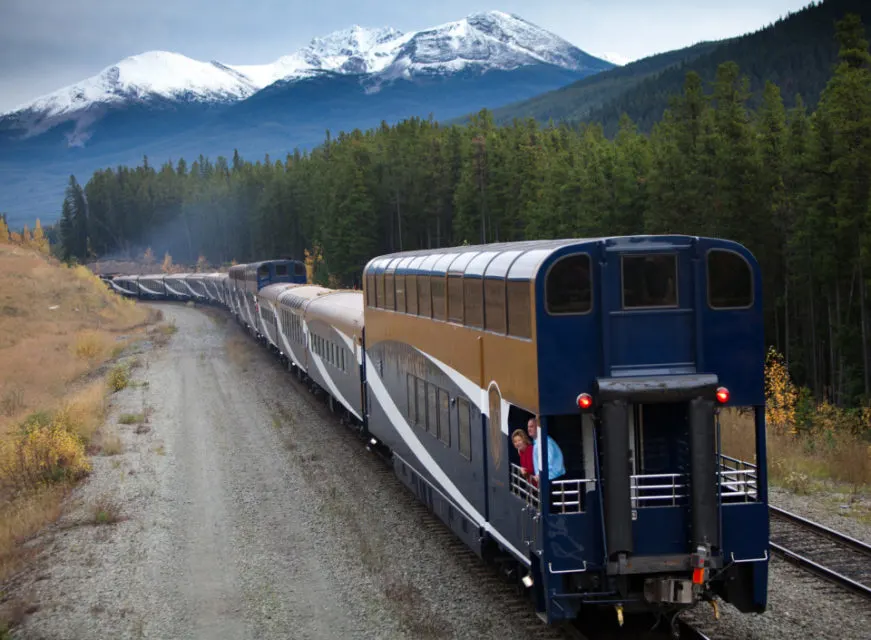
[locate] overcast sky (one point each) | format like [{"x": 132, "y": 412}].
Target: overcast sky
[{"x": 48, "y": 44}]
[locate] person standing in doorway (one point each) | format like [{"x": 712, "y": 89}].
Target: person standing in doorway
[{"x": 555, "y": 465}]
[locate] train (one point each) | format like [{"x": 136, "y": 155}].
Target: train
[{"x": 611, "y": 358}]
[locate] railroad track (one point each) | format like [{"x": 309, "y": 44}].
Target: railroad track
[{"x": 823, "y": 551}]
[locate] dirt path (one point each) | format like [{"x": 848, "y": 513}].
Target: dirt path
[{"x": 246, "y": 511}]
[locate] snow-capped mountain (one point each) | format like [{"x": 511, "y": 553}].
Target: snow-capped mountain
[
  {"x": 166, "y": 105},
  {"x": 483, "y": 41},
  {"x": 154, "y": 73}
]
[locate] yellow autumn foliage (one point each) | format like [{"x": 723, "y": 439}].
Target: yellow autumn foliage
[
  {"x": 42, "y": 454},
  {"x": 780, "y": 393}
]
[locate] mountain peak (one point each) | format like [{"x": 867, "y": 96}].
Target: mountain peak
[
  {"x": 164, "y": 74},
  {"x": 479, "y": 42}
]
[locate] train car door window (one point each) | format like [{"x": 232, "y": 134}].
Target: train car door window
[
  {"x": 730, "y": 280},
  {"x": 569, "y": 286},
  {"x": 649, "y": 281},
  {"x": 464, "y": 428}
]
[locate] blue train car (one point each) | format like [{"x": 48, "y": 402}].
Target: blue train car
[
  {"x": 620, "y": 351},
  {"x": 246, "y": 280}
]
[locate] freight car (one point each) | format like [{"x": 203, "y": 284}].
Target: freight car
[{"x": 619, "y": 351}]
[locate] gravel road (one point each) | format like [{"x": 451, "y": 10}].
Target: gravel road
[
  {"x": 245, "y": 510},
  {"x": 248, "y": 511}
]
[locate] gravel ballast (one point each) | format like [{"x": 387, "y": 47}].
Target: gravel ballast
[{"x": 246, "y": 510}]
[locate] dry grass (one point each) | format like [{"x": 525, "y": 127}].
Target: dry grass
[
  {"x": 22, "y": 516},
  {"x": 804, "y": 461},
  {"x": 58, "y": 326}
]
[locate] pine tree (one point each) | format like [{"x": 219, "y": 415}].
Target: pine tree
[
  {"x": 4, "y": 230},
  {"x": 74, "y": 222}
]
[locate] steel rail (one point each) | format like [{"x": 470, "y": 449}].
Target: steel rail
[{"x": 815, "y": 567}]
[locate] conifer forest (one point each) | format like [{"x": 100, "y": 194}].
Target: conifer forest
[{"x": 792, "y": 185}]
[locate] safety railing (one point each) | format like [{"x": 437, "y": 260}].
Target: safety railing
[
  {"x": 523, "y": 487},
  {"x": 567, "y": 496},
  {"x": 657, "y": 490},
  {"x": 738, "y": 480}
]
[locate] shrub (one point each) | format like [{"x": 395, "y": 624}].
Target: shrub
[
  {"x": 118, "y": 378},
  {"x": 43, "y": 454}
]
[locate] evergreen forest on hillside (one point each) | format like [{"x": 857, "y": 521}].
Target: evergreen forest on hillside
[
  {"x": 796, "y": 53},
  {"x": 790, "y": 184}
]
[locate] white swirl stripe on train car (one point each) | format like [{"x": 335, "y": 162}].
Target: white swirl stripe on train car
[
  {"x": 316, "y": 359},
  {"x": 173, "y": 291},
  {"x": 147, "y": 290},
  {"x": 407, "y": 434}
]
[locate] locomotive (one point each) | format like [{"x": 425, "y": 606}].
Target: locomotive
[{"x": 618, "y": 353}]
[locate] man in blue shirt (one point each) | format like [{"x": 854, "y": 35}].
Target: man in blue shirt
[{"x": 555, "y": 465}]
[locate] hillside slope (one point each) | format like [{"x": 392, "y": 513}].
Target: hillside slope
[
  {"x": 575, "y": 101},
  {"x": 59, "y": 328}
]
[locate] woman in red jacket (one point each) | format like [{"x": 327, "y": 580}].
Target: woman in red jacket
[{"x": 524, "y": 448}]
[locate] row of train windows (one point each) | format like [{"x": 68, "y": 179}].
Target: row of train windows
[
  {"x": 330, "y": 352},
  {"x": 293, "y": 326},
  {"x": 494, "y": 304},
  {"x": 429, "y": 408}
]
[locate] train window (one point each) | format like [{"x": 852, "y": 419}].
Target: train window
[
  {"x": 519, "y": 314},
  {"x": 444, "y": 417},
  {"x": 299, "y": 269},
  {"x": 455, "y": 298},
  {"x": 464, "y": 426},
  {"x": 569, "y": 286},
  {"x": 424, "y": 307},
  {"x": 263, "y": 271},
  {"x": 411, "y": 294},
  {"x": 473, "y": 297},
  {"x": 494, "y": 305},
  {"x": 281, "y": 270},
  {"x": 437, "y": 283},
  {"x": 420, "y": 419},
  {"x": 370, "y": 290},
  {"x": 730, "y": 281},
  {"x": 432, "y": 409},
  {"x": 411, "y": 398},
  {"x": 389, "y": 293},
  {"x": 379, "y": 290},
  {"x": 400, "y": 293},
  {"x": 649, "y": 281}
]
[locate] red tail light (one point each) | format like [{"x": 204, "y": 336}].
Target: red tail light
[
  {"x": 722, "y": 395},
  {"x": 585, "y": 401}
]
